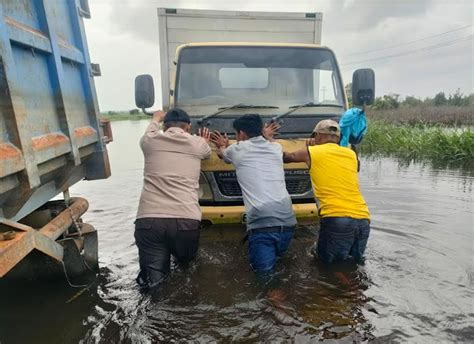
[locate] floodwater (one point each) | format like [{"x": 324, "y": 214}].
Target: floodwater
[{"x": 417, "y": 284}]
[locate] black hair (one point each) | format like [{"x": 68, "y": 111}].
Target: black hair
[
  {"x": 250, "y": 124},
  {"x": 175, "y": 116}
]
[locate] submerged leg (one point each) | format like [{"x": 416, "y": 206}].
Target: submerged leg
[
  {"x": 262, "y": 252},
  {"x": 153, "y": 252}
]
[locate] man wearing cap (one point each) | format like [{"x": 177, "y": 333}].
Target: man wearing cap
[
  {"x": 168, "y": 218},
  {"x": 344, "y": 216}
]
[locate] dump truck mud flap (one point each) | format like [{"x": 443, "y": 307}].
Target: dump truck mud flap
[{"x": 81, "y": 252}]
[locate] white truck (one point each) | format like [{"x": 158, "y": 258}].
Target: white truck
[{"x": 220, "y": 65}]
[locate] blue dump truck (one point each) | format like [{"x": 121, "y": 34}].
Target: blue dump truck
[{"x": 51, "y": 138}]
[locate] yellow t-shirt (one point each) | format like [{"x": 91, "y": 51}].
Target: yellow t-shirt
[{"x": 335, "y": 181}]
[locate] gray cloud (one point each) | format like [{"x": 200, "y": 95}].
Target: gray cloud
[
  {"x": 123, "y": 37},
  {"x": 139, "y": 18},
  {"x": 364, "y": 15}
]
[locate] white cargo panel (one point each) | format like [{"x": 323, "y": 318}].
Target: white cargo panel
[{"x": 178, "y": 26}]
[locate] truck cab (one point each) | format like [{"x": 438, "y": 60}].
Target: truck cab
[{"x": 295, "y": 83}]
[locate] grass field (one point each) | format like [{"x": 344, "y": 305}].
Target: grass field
[
  {"x": 437, "y": 115},
  {"x": 442, "y": 135},
  {"x": 420, "y": 142},
  {"x": 124, "y": 116}
]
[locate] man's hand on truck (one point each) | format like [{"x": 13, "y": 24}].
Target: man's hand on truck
[
  {"x": 205, "y": 134},
  {"x": 270, "y": 130},
  {"x": 158, "y": 116}
]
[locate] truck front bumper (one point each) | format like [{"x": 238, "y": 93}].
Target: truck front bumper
[{"x": 305, "y": 213}]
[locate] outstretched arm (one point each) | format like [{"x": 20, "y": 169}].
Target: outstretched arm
[{"x": 301, "y": 155}]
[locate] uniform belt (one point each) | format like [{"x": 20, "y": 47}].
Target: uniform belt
[{"x": 274, "y": 229}]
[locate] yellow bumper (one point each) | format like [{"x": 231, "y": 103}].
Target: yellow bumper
[{"x": 305, "y": 213}]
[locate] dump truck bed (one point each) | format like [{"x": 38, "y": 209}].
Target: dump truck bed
[{"x": 50, "y": 134}]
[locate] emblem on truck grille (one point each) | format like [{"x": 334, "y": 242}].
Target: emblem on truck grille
[{"x": 297, "y": 182}]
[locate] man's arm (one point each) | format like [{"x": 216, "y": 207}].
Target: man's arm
[
  {"x": 155, "y": 124},
  {"x": 269, "y": 132},
  {"x": 301, "y": 155}
]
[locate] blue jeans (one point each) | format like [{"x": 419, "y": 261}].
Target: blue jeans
[
  {"x": 264, "y": 248},
  {"x": 341, "y": 238}
]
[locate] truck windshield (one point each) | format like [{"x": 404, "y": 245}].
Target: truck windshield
[{"x": 279, "y": 76}]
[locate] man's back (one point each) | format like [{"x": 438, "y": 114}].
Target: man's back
[
  {"x": 336, "y": 184},
  {"x": 259, "y": 168},
  {"x": 171, "y": 173}
]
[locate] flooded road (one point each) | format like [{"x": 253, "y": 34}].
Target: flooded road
[{"x": 416, "y": 286}]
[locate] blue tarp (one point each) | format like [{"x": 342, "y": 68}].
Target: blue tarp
[{"x": 353, "y": 125}]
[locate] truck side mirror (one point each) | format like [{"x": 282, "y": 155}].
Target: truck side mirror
[
  {"x": 144, "y": 91},
  {"x": 363, "y": 87}
]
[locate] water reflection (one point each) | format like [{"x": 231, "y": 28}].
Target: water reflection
[{"x": 218, "y": 298}]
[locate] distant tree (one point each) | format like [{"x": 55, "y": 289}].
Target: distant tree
[
  {"x": 470, "y": 99},
  {"x": 428, "y": 101},
  {"x": 388, "y": 101},
  {"x": 134, "y": 112},
  {"x": 412, "y": 101},
  {"x": 112, "y": 113},
  {"x": 458, "y": 99},
  {"x": 440, "y": 99}
]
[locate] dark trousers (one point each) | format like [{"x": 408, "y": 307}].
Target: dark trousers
[
  {"x": 266, "y": 246},
  {"x": 341, "y": 238},
  {"x": 159, "y": 238}
]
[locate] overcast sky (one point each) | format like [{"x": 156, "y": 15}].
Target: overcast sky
[{"x": 123, "y": 39}]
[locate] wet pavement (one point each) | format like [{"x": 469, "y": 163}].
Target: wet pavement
[{"x": 417, "y": 284}]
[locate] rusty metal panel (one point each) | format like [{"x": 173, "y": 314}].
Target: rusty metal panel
[
  {"x": 48, "y": 105},
  {"x": 11, "y": 160}
]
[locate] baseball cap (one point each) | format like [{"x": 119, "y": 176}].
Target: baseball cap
[
  {"x": 327, "y": 126},
  {"x": 177, "y": 115}
]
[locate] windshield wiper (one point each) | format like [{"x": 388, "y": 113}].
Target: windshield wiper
[
  {"x": 297, "y": 107},
  {"x": 236, "y": 106}
]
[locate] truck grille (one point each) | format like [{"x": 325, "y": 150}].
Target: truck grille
[{"x": 297, "y": 183}]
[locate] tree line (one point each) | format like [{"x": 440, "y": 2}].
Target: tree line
[{"x": 394, "y": 101}]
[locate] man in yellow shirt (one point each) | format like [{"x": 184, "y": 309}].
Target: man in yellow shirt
[{"x": 344, "y": 216}]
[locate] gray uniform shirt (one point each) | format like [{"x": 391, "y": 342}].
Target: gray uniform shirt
[{"x": 259, "y": 167}]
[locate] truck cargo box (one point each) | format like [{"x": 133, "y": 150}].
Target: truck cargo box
[{"x": 181, "y": 26}]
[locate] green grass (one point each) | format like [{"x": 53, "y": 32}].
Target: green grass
[
  {"x": 420, "y": 142},
  {"x": 124, "y": 116}
]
